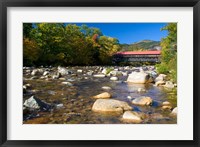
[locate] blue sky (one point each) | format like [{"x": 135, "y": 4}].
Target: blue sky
[{"x": 131, "y": 32}]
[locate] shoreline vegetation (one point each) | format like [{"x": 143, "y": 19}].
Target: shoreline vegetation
[
  {"x": 69, "y": 78},
  {"x": 70, "y": 45}
]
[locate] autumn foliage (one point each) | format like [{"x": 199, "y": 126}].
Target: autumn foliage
[{"x": 66, "y": 44}]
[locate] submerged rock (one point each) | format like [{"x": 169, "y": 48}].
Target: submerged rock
[
  {"x": 156, "y": 116},
  {"x": 36, "y": 103},
  {"x": 110, "y": 105},
  {"x": 142, "y": 101},
  {"x": 104, "y": 95},
  {"x": 141, "y": 90}
]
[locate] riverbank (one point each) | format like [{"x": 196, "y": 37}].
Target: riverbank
[{"x": 70, "y": 95}]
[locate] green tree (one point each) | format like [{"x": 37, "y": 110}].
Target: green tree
[
  {"x": 27, "y": 27},
  {"x": 108, "y": 46},
  {"x": 48, "y": 37},
  {"x": 61, "y": 44},
  {"x": 169, "y": 52}
]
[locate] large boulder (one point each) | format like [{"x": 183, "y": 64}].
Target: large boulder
[
  {"x": 104, "y": 95},
  {"x": 142, "y": 101},
  {"x": 63, "y": 71},
  {"x": 110, "y": 105},
  {"x": 131, "y": 116},
  {"x": 138, "y": 78},
  {"x": 35, "y": 103}
]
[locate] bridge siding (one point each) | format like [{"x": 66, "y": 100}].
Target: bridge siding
[{"x": 142, "y": 56}]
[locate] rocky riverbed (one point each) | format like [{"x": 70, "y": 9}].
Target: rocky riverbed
[{"x": 98, "y": 95}]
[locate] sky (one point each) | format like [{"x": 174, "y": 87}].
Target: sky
[{"x": 130, "y": 32}]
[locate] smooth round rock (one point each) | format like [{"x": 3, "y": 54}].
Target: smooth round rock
[
  {"x": 110, "y": 105},
  {"x": 132, "y": 116},
  {"x": 104, "y": 95},
  {"x": 114, "y": 78},
  {"x": 142, "y": 101}
]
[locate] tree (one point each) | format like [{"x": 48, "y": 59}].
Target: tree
[
  {"x": 108, "y": 46},
  {"x": 61, "y": 44},
  {"x": 27, "y": 27},
  {"x": 48, "y": 37},
  {"x": 31, "y": 52},
  {"x": 169, "y": 52}
]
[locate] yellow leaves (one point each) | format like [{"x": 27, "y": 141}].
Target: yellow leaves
[
  {"x": 40, "y": 25},
  {"x": 56, "y": 43},
  {"x": 60, "y": 56},
  {"x": 57, "y": 39},
  {"x": 31, "y": 50}
]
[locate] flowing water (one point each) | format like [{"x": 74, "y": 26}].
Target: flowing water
[{"x": 77, "y": 100}]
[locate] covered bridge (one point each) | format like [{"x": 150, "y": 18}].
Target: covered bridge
[{"x": 137, "y": 56}]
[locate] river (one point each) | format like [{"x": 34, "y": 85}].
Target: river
[{"x": 76, "y": 99}]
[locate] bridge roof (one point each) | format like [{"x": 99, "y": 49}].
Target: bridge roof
[{"x": 140, "y": 53}]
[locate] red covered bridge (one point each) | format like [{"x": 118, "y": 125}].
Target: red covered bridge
[{"x": 137, "y": 56}]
